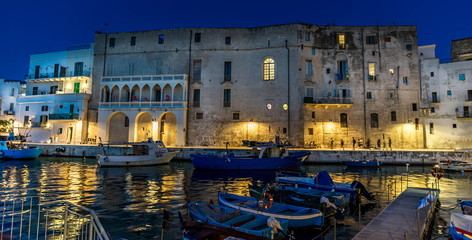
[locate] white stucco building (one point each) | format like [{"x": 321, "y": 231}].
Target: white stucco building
[{"x": 58, "y": 90}]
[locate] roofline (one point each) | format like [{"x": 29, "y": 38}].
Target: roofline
[{"x": 462, "y": 39}]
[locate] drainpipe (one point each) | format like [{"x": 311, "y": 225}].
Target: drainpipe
[
  {"x": 188, "y": 86},
  {"x": 288, "y": 89},
  {"x": 363, "y": 84}
]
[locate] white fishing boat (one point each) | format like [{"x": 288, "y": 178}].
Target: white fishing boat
[{"x": 144, "y": 154}]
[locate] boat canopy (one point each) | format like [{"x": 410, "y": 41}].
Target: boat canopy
[{"x": 323, "y": 178}]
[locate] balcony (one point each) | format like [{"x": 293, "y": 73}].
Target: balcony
[
  {"x": 176, "y": 77},
  {"x": 327, "y": 101},
  {"x": 342, "y": 76},
  {"x": 372, "y": 78},
  {"x": 63, "y": 116},
  {"x": 8, "y": 112},
  {"x": 468, "y": 98},
  {"x": 52, "y": 75},
  {"x": 170, "y": 104}
]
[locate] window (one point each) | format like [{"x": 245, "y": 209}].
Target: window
[
  {"x": 228, "y": 40},
  {"x": 196, "y": 97},
  {"x": 35, "y": 90},
  {"x": 61, "y": 106},
  {"x": 313, "y": 115},
  {"x": 12, "y": 107},
  {"x": 26, "y": 108},
  {"x": 434, "y": 96},
  {"x": 56, "y": 70},
  {"x": 308, "y": 69},
  {"x": 369, "y": 95},
  {"x": 342, "y": 71},
  {"x": 374, "y": 120},
  {"x": 269, "y": 69},
  {"x": 392, "y": 95},
  {"x": 159, "y": 66},
  {"x": 343, "y": 118},
  {"x": 53, "y": 89},
  {"x": 236, "y": 116},
  {"x": 227, "y": 98},
  {"x": 388, "y": 39},
  {"x": 414, "y": 107},
  {"x": 133, "y": 41},
  {"x": 393, "y": 116},
  {"x": 197, "y": 70},
  {"x": 112, "y": 42},
  {"x": 371, "y": 40},
  {"x": 127, "y": 121},
  {"x": 313, "y": 52},
  {"x": 432, "y": 74},
  {"x": 466, "y": 111},
  {"x": 44, "y": 108},
  {"x": 25, "y": 120},
  {"x": 309, "y": 92},
  {"x": 307, "y": 36},
  {"x": 342, "y": 41},
  {"x": 198, "y": 37},
  {"x": 199, "y": 115},
  {"x": 454, "y": 125},
  {"x": 76, "y": 87},
  {"x": 405, "y": 80},
  {"x": 79, "y": 69},
  {"x": 431, "y": 128},
  {"x": 59, "y": 131},
  {"x": 310, "y": 131},
  {"x": 469, "y": 95},
  {"x": 160, "y": 39},
  {"x": 462, "y": 77},
  {"x": 36, "y": 71},
  {"x": 131, "y": 67},
  {"x": 433, "y": 110},
  {"x": 227, "y": 77},
  {"x": 417, "y": 123},
  {"x": 43, "y": 121},
  {"x": 328, "y": 70},
  {"x": 372, "y": 72},
  {"x": 284, "y": 130},
  {"x": 449, "y": 93},
  {"x": 409, "y": 47},
  {"x": 12, "y": 93}
]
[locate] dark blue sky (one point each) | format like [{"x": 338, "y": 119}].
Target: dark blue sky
[{"x": 35, "y": 26}]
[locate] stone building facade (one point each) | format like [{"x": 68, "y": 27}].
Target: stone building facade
[{"x": 307, "y": 84}]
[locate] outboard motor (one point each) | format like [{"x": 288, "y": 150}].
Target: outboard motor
[{"x": 357, "y": 185}]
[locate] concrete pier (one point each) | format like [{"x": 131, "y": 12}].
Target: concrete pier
[
  {"x": 402, "y": 219},
  {"x": 320, "y": 156}
]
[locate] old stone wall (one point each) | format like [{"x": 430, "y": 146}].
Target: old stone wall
[{"x": 461, "y": 50}]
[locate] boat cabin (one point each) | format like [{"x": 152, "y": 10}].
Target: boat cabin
[
  {"x": 149, "y": 148},
  {"x": 271, "y": 151}
]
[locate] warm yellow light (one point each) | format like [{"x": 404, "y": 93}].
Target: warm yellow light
[
  {"x": 269, "y": 106},
  {"x": 285, "y": 106},
  {"x": 47, "y": 125},
  {"x": 391, "y": 71},
  {"x": 68, "y": 86},
  {"x": 251, "y": 126}
]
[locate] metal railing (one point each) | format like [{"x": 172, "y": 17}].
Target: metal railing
[
  {"x": 58, "y": 75},
  {"x": 327, "y": 100},
  {"x": 174, "y": 77},
  {"x": 31, "y": 217},
  {"x": 174, "y": 104},
  {"x": 63, "y": 116}
]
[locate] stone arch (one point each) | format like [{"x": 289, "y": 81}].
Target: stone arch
[
  {"x": 118, "y": 128},
  {"x": 125, "y": 94},
  {"x": 156, "y": 93},
  {"x": 135, "y": 93},
  {"x": 143, "y": 127},
  {"x": 115, "y": 94},
  {"x": 168, "y": 128},
  {"x": 105, "y": 94},
  {"x": 145, "y": 93},
  {"x": 167, "y": 93},
  {"x": 178, "y": 93}
]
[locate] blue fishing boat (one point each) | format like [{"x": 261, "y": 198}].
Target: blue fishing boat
[
  {"x": 324, "y": 182},
  {"x": 466, "y": 207},
  {"x": 295, "y": 215},
  {"x": 364, "y": 163},
  {"x": 250, "y": 223},
  {"x": 460, "y": 226},
  {"x": 19, "y": 152},
  {"x": 265, "y": 156}
]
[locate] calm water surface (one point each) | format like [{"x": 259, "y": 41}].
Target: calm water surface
[{"x": 130, "y": 201}]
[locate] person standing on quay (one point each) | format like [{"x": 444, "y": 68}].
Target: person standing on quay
[
  {"x": 390, "y": 143},
  {"x": 378, "y": 143},
  {"x": 332, "y": 143},
  {"x": 353, "y": 143},
  {"x": 342, "y": 144}
]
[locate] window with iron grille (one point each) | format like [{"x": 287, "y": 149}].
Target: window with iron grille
[
  {"x": 343, "y": 118},
  {"x": 198, "y": 37},
  {"x": 393, "y": 116},
  {"x": 197, "y": 70},
  {"x": 196, "y": 97},
  {"x": 228, "y": 40},
  {"x": 374, "y": 120},
  {"x": 160, "y": 39},
  {"x": 133, "y": 41},
  {"x": 227, "y": 72},
  {"x": 112, "y": 42},
  {"x": 227, "y": 98},
  {"x": 236, "y": 116},
  {"x": 199, "y": 115}
]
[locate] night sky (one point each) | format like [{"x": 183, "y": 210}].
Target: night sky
[{"x": 35, "y": 26}]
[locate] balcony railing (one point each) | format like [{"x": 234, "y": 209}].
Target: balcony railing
[
  {"x": 142, "y": 104},
  {"x": 468, "y": 98},
  {"x": 52, "y": 75},
  {"x": 63, "y": 116},
  {"x": 176, "y": 77},
  {"x": 227, "y": 78},
  {"x": 327, "y": 100},
  {"x": 372, "y": 78},
  {"x": 342, "y": 76},
  {"x": 9, "y": 112}
]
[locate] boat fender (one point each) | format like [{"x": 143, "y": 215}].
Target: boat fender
[
  {"x": 228, "y": 160},
  {"x": 58, "y": 149},
  {"x": 274, "y": 226},
  {"x": 266, "y": 201},
  {"x": 437, "y": 172}
]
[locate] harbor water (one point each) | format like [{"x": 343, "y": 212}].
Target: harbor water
[{"x": 130, "y": 201}]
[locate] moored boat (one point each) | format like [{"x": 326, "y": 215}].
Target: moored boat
[
  {"x": 20, "y": 151},
  {"x": 295, "y": 215},
  {"x": 144, "y": 154},
  {"x": 460, "y": 226},
  {"x": 266, "y": 156},
  {"x": 363, "y": 163},
  {"x": 456, "y": 166},
  {"x": 249, "y": 223}
]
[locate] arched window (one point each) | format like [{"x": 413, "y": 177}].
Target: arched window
[
  {"x": 269, "y": 69},
  {"x": 343, "y": 120},
  {"x": 374, "y": 120}
]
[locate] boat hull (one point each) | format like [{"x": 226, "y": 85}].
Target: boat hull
[
  {"x": 460, "y": 226},
  {"x": 368, "y": 164},
  {"x": 213, "y": 162},
  {"x": 135, "y": 160},
  {"x": 29, "y": 153}
]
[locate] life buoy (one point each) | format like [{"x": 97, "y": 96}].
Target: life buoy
[
  {"x": 437, "y": 172},
  {"x": 266, "y": 200}
]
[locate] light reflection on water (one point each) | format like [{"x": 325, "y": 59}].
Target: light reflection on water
[{"x": 129, "y": 201}]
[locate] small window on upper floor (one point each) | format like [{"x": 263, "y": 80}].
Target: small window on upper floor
[
  {"x": 341, "y": 41},
  {"x": 44, "y": 108},
  {"x": 160, "y": 39},
  {"x": 310, "y": 131},
  {"x": 433, "y": 110},
  {"x": 26, "y": 108},
  {"x": 313, "y": 52},
  {"x": 371, "y": 39},
  {"x": 414, "y": 107},
  {"x": 393, "y": 116},
  {"x": 405, "y": 80},
  {"x": 307, "y": 36},
  {"x": 454, "y": 125},
  {"x": 372, "y": 72},
  {"x": 199, "y": 115},
  {"x": 369, "y": 95},
  {"x": 449, "y": 92},
  {"x": 269, "y": 69},
  {"x": 409, "y": 47},
  {"x": 198, "y": 37},
  {"x": 12, "y": 93},
  {"x": 235, "y": 115},
  {"x": 112, "y": 42},
  {"x": 432, "y": 74},
  {"x": 133, "y": 41},
  {"x": 462, "y": 77},
  {"x": 388, "y": 39},
  {"x": 228, "y": 40},
  {"x": 313, "y": 115}
]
